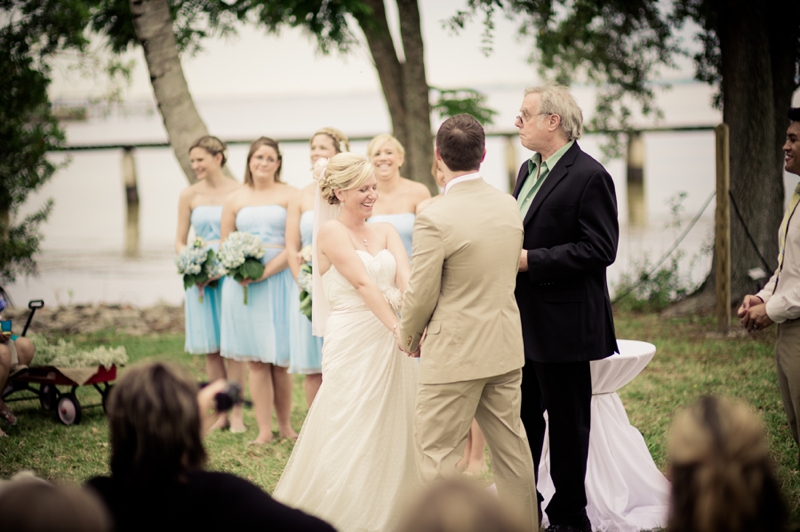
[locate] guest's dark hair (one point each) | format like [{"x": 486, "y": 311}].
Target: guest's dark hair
[
  {"x": 212, "y": 145},
  {"x": 262, "y": 141},
  {"x": 461, "y": 143},
  {"x": 722, "y": 475},
  {"x": 154, "y": 421},
  {"x": 794, "y": 114}
]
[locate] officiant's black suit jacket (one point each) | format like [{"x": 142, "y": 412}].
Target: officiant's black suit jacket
[{"x": 571, "y": 232}]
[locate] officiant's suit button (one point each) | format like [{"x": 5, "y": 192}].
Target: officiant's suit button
[{"x": 408, "y": 340}]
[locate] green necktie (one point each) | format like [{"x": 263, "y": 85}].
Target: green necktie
[{"x": 784, "y": 229}]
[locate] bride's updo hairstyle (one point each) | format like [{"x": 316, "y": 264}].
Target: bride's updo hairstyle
[{"x": 344, "y": 171}]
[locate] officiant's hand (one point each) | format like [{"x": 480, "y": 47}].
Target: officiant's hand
[{"x": 523, "y": 260}]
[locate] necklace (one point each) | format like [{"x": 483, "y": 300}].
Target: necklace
[{"x": 365, "y": 243}]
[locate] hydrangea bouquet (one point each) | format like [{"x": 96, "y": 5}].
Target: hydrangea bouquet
[
  {"x": 198, "y": 263},
  {"x": 240, "y": 254},
  {"x": 304, "y": 280}
]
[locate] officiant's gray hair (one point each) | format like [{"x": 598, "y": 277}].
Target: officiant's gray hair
[
  {"x": 345, "y": 171},
  {"x": 556, "y": 100}
]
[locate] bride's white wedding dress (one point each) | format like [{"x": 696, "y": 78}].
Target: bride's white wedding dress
[{"x": 353, "y": 464}]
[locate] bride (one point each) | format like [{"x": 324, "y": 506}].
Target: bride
[{"x": 353, "y": 464}]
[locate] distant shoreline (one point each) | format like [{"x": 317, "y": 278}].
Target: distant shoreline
[{"x": 87, "y": 319}]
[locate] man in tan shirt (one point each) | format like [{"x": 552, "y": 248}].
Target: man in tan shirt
[
  {"x": 779, "y": 301},
  {"x": 466, "y": 250}
]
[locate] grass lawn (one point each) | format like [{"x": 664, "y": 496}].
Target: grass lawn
[{"x": 691, "y": 361}]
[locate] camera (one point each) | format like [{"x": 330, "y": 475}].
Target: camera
[{"x": 229, "y": 397}]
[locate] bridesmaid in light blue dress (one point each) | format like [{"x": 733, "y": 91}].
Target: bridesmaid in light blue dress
[
  {"x": 398, "y": 197},
  {"x": 307, "y": 355},
  {"x": 258, "y": 333},
  {"x": 200, "y": 207}
]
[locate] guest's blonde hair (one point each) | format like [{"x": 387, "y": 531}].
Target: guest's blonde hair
[
  {"x": 344, "y": 171},
  {"x": 722, "y": 475},
  {"x": 31, "y": 505},
  {"x": 456, "y": 505},
  {"x": 376, "y": 143},
  {"x": 340, "y": 141}
]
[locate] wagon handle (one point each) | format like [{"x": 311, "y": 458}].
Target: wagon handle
[{"x": 33, "y": 305}]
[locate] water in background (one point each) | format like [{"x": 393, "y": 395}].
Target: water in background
[{"x": 82, "y": 259}]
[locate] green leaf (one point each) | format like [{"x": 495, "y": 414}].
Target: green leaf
[
  {"x": 252, "y": 268},
  {"x": 188, "y": 281}
]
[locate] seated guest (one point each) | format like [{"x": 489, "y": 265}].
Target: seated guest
[
  {"x": 156, "y": 418},
  {"x": 722, "y": 475},
  {"x": 30, "y": 504},
  {"x": 15, "y": 352},
  {"x": 457, "y": 505}
]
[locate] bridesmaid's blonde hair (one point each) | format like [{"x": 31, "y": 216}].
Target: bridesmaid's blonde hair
[
  {"x": 345, "y": 171},
  {"x": 376, "y": 143}
]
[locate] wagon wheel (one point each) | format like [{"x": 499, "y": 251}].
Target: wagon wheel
[
  {"x": 69, "y": 409},
  {"x": 48, "y": 396},
  {"x": 105, "y": 395}
]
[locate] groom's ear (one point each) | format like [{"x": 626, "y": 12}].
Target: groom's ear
[{"x": 484, "y": 155}]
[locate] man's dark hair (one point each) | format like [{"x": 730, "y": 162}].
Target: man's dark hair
[
  {"x": 794, "y": 114},
  {"x": 461, "y": 142}
]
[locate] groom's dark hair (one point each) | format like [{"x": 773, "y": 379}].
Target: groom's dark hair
[{"x": 461, "y": 143}]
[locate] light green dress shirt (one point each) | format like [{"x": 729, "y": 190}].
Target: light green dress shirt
[{"x": 532, "y": 185}]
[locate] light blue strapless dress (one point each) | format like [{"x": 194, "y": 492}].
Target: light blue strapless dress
[
  {"x": 259, "y": 331},
  {"x": 404, "y": 223},
  {"x": 307, "y": 348},
  {"x": 203, "y": 319}
]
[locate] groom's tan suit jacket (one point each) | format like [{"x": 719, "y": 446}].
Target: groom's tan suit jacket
[{"x": 464, "y": 270}]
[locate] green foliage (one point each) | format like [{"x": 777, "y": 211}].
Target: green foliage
[
  {"x": 28, "y": 130},
  {"x": 645, "y": 290},
  {"x": 614, "y": 45},
  {"x": 451, "y": 102},
  {"x": 64, "y": 354}
]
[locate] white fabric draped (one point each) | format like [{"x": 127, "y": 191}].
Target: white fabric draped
[{"x": 625, "y": 490}]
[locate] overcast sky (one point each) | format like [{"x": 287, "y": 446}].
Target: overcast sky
[{"x": 256, "y": 64}]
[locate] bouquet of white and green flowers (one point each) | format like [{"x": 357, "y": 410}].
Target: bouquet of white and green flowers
[
  {"x": 305, "y": 281},
  {"x": 198, "y": 263},
  {"x": 240, "y": 254}
]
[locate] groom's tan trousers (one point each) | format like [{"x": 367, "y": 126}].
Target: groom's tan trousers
[{"x": 444, "y": 414}]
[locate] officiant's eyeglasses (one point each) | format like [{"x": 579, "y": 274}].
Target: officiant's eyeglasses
[{"x": 522, "y": 120}]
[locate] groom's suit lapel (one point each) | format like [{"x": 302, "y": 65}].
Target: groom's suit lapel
[{"x": 556, "y": 175}]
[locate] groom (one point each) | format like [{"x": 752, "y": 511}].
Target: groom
[{"x": 464, "y": 269}]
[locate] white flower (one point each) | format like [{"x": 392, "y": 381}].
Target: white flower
[
  {"x": 238, "y": 247},
  {"x": 305, "y": 281},
  {"x": 305, "y": 253}
]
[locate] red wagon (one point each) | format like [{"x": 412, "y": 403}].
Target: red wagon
[{"x": 48, "y": 378}]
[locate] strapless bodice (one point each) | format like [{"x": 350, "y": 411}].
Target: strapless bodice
[
  {"x": 306, "y": 227},
  {"x": 206, "y": 221},
  {"x": 341, "y": 295},
  {"x": 404, "y": 223},
  {"x": 267, "y": 222}
]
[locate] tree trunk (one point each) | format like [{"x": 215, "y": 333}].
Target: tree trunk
[
  {"x": 404, "y": 85},
  {"x": 390, "y": 70},
  {"x": 153, "y": 24},
  {"x": 757, "y": 86},
  {"x": 415, "y": 87}
]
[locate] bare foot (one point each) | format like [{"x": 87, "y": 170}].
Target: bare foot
[
  {"x": 291, "y": 434},
  {"x": 238, "y": 429},
  {"x": 260, "y": 441},
  {"x": 220, "y": 424}
]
